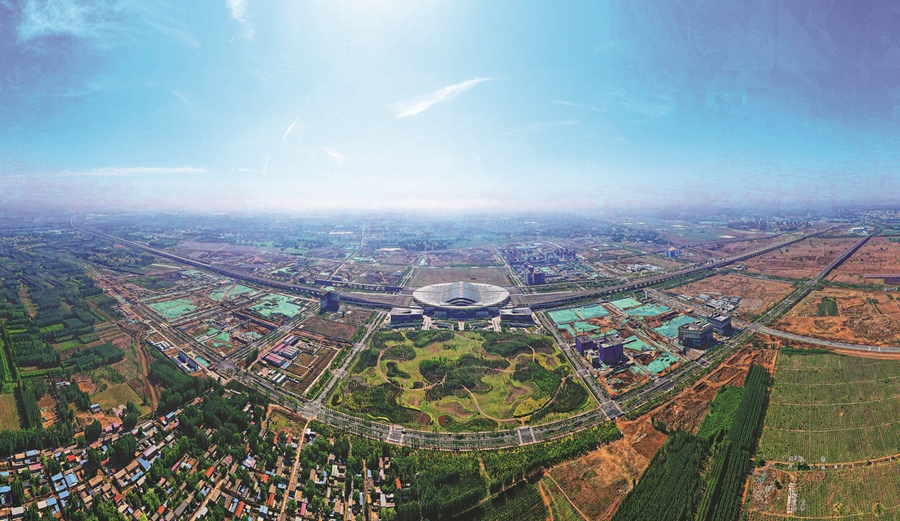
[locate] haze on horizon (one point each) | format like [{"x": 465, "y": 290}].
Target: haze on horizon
[{"x": 464, "y": 105}]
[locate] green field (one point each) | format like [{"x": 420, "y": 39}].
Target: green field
[
  {"x": 461, "y": 381},
  {"x": 118, "y": 395},
  {"x": 9, "y": 413},
  {"x": 836, "y": 407}
]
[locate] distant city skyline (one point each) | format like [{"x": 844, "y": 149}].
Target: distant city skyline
[{"x": 241, "y": 105}]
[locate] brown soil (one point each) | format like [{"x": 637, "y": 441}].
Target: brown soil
[
  {"x": 598, "y": 481},
  {"x": 514, "y": 392},
  {"x": 865, "y": 317},
  {"x": 801, "y": 260},
  {"x": 756, "y": 294},
  {"x": 879, "y": 256},
  {"x": 329, "y": 328}
]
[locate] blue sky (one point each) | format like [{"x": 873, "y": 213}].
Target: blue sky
[{"x": 469, "y": 105}]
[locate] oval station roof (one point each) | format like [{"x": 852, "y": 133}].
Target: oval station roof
[{"x": 461, "y": 295}]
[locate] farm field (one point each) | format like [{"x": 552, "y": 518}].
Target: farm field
[
  {"x": 862, "y": 492},
  {"x": 428, "y": 276},
  {"x": 801, "y": 260},
  {"x": 879, "y": 256},
  {"x": 461, "y": 381},
  {"x": 829, "y": 408},
  {"x": 757, "y": 295},
  {"x": 857, "y": 317},
  {"x": 9, "y": 412}
]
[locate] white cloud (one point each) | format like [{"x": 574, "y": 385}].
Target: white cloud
[
  {"x": 421, "y": 104},
  {"x": 79, "y": 19},
  {"x": 337, "y": 156},
  {"x": 238, "y": 9}
]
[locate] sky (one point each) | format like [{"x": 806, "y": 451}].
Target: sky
[{"x": 296, "y": 105}]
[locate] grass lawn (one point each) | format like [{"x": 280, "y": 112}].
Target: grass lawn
[
  {"x": 472, "y": 383},
  {"x": 118, "y": 395}
]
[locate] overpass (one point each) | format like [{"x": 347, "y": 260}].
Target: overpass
[{"x": 544, "y": 300}]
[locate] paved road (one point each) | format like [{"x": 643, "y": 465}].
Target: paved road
[{"x": 827, "y": 343}]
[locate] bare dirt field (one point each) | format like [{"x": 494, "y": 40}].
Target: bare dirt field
[
  {"x": 879, "y": 256},
  {"x": 863, "y": 317},
  {"x": 428, "y": 276},
  {"x": 757, "y": 294},
  {"x": 801, "y": 260},
  {"x": 329, "y": 328},
  {"x": 597, "y": 482}
]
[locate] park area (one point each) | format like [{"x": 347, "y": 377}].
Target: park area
[
  {"x": 846, "y": 315},
  {"x": 879, "y": 256},
  {"x": 490, "y": 275},
  {"x": 452, "y": 381},
  {"x": 860, "y": 492},
  {"x": 757, "y": 295},
  {"x": 800, "y": 260},
  {"x": 827, "y": 408}
]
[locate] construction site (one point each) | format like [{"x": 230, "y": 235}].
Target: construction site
[{"x": 648, "y": 332}]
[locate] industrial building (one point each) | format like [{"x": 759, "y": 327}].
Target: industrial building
[
  {"x": 721, "y": 324},
  {"x": 606, "y": 349},
  {"x": 402, "y": 317},
  {"x": 517, "y": 316},
  {"x": 611, "y": 349},
  {"x": 331, "y": 300},
  {"x": 695, "y": 334}
]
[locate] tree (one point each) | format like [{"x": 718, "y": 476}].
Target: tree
[
  {"x": 18, "y": 492},
  {"x": 92, "y": 431},
  {"x": 31, "y": 513},
  {"x": 124, "y": 449}
]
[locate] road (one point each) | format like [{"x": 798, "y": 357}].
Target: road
[{"x": 511, "y": 437}]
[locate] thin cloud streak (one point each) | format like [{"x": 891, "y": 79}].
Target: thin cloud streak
[
  {"x": 421, "y": 104},
  {"x": 564, "y": 103},
  {"x": 288, "y": 131}
]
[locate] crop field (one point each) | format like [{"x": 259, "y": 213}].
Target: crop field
[
  {"x": 489, "y": 275},
  {"x": 829, "y": 408},
  {"x": 881, "y": 255},
  {"x": 847, "y": 315},
  {"x": 461, "y": 381},
  {"x": 9, "y": 412},
  {"x": 862, "y": 492},
  {"x": 757, "y": 295},
  {"x": 801, "y": 260}
]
